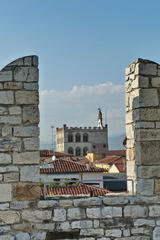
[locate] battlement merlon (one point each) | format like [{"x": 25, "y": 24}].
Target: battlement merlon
[{"x": 82, "y": 128}]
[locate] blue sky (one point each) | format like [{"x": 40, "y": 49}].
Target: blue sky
[{"x": 83, "y": 48}]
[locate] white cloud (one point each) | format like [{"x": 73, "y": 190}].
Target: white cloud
[{"x": 78, "y": 107}]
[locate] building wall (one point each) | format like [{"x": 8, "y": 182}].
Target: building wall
[{"x": 97, "y": 139}]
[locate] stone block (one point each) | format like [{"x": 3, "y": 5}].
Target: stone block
[
  {"x": 13, "y": 85},
  {"x": 31, "y": 114},
  {"x": 36, "y": 216},
  {"x": 22, "y": 236},
  {"x": 10, "y": 144},
  {"x": 47, "y": 203},
  {"x": 7, "y": 237},
  {"x": 24, "y": 227},
  {"x": 4, "y": 229},
  {"x": 81, "y": 224},
  {"x": 84, "y": 202},
  {"x": 6, "y": 131},
  {"x": 31, "y": 143},
  {"x": 149, "y": 172},
  {"x": 59, "y": 214},
  {"x": 6, "y": 97},
  {"x": 26, "y": 97},
  {"x": 145, "y": 125},
  {"x": 29, "y": 174},
  {"x": 6, "y": 76},
  {"x": 5, "y": 158},
  {"x": 18, "y": 205},
  {"x": 9, "y": 217},
  {"x": 3, "y": 110},
  {"x": 109, "y": 212},
  {"x": 131, "y": 154},
  {"x": 26, "y": 192},
  {"x": 150, "y": 69},
  {"x": 156, "y": 233},
  {"x": 5, "y": 192},
  {"x": 113, "y": 233},
  {"x": 148, "y": 152},
  {"x": 155, "y": 81},
  {"x": 45, "y": 226},
  {"x": 26, "y": 74},
  {"x": 14, "y": 110},
  {"x": 31, "y": 86},
  {"x": 135, "y": 211},
  {"x": 4, "y": 206},
  {"x": 148, "y": 98},
  {"x": 154, "y": 210},
  {"x": 145, "y": 186},
  {"x": 147, "y": 135},
  {"x": 76, "y": 213},
  {"x": 93, "y": 213},
  {"x": 92, "y": 232},
  {"x": 28, "y": 131},
  {"x": 35, "y": 61},
  {"x": 26, "y": 157},
  {"x": 11, "y": 120},
  {"x": 148, "y": 114},
  {"x": 157, "y": 186},
  {"x": 38, "y": 236},
  {"x": 144, "y": 222},
  {"x": 115, "y": 200},
  {"x": 28, "y": 61},
  {"x": 11, "y": 177}
]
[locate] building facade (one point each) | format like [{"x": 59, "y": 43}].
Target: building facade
[{"x": 79, "y": 141}]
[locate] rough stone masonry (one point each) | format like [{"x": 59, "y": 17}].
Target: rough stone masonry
[{"x": 23, "y": 216}]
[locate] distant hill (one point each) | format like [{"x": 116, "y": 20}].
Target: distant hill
[{"x": 116, "y": 142}]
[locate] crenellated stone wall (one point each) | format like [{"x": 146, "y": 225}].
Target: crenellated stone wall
[
  {"x": 143, "y": 126},
  {"x": 23, "y": 216}
]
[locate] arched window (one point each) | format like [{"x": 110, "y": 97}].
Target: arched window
[
  {"x": 78, "y": 137},
  {"x": 70, "y": 137},
  {"x": 85, "y": 137},
  {"x": 70, "y": 150},
  {"x": 85, "y": 150},
  {"x": 78, "y": 151}
]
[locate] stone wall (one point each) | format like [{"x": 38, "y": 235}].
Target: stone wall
[
  {"x": 143, "y": 126},
  {"x": 23, "y": 216}
]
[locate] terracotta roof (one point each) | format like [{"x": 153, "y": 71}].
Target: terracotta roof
[
  {"x": 67, "y": 166},
  {"x": 50, "y": 153},
  {"x": 118, "y": 161},
  {"x": 121, "y": 152},
  {"x": 80, "y": 190}
]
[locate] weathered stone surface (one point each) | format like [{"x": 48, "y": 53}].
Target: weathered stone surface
[
  {"x": 156, "y": 233},
  {"x": 4, "y": 229},
  {"x": 5, "y": 158},
  {"x": 154, "y": 211},
  {"x": 13, "y": 85},
  {"x": 45, "y": 226},
  {"x": 23, "y": 227},
  {"x": 92, "y": 232},
  {"x": 5, "y": 192},
  {"x": 113, "y": 233},
  {"x": 9, "y": 217},
  {"x": 149, "y": 172},
  {"x": 6, "y": 131},
  {"x": 26, "y": 97},
  {"x": 109, "y": 212},
  {"x": 22, "y": 236},
  {"x": 115, "y": 200},
  {"x": 6, "y": 97},
  {"x": 146, "y": 69},
  {"x": 4, "y": 206},
  {"x": 26, "y": 157},
  {"x": 135, "y": 211},
  {"x": 93, "y": 212},
  {"x": 76, "y": 213},
  {"x": 38, "y": 236},
  {"x": 155, "y": 81},
  {"x": 47, "y": 203},
  {"x": 147, "y": 135},
  {"x": 30, "y": 114},
  {"x": 157, "y": 186},
  {"x": 94, "y": 201},
  {"x": 11, "y": 177},
  {"x": 144, "y": 222},
  {"x": 59, "y": 215},
  {"x": 28, "y": 61},
  {"x": 81, "y": 224},
  {"x": 3, "y": 110},
  {"x": 10, "y": 144},
  {"x": 15, "y": 110},
  {"x": 65, "y": 203},
  {"x": 23, "y": 191},
  {"x": 26, "y": 74},
  {"x": 145, "y": 186},
  {"x": 36, "y": 216},
  {"x": 16, "y": 205},
  {"x": 31, "y": 86},
  {"x": 6, "y": 237},
  {"x": 12, "y": 120},
  {"x": 29, "y": 131},
  {"x": 6, "y": 76},
  {"x": 31, "y": 143},
  {"x": 29, "y": 174}
]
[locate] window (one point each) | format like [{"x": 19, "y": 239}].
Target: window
[
  {"x": 85, "y": 137},
  {"x": 70, "y": 137},
  {"x": 70, "y": 150},
  {"x": 85, "y": 150},
  {"x": 78, "y": 137},
  {"x": 78, "y": 151},
  {"x": 94, "y": 146}
]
